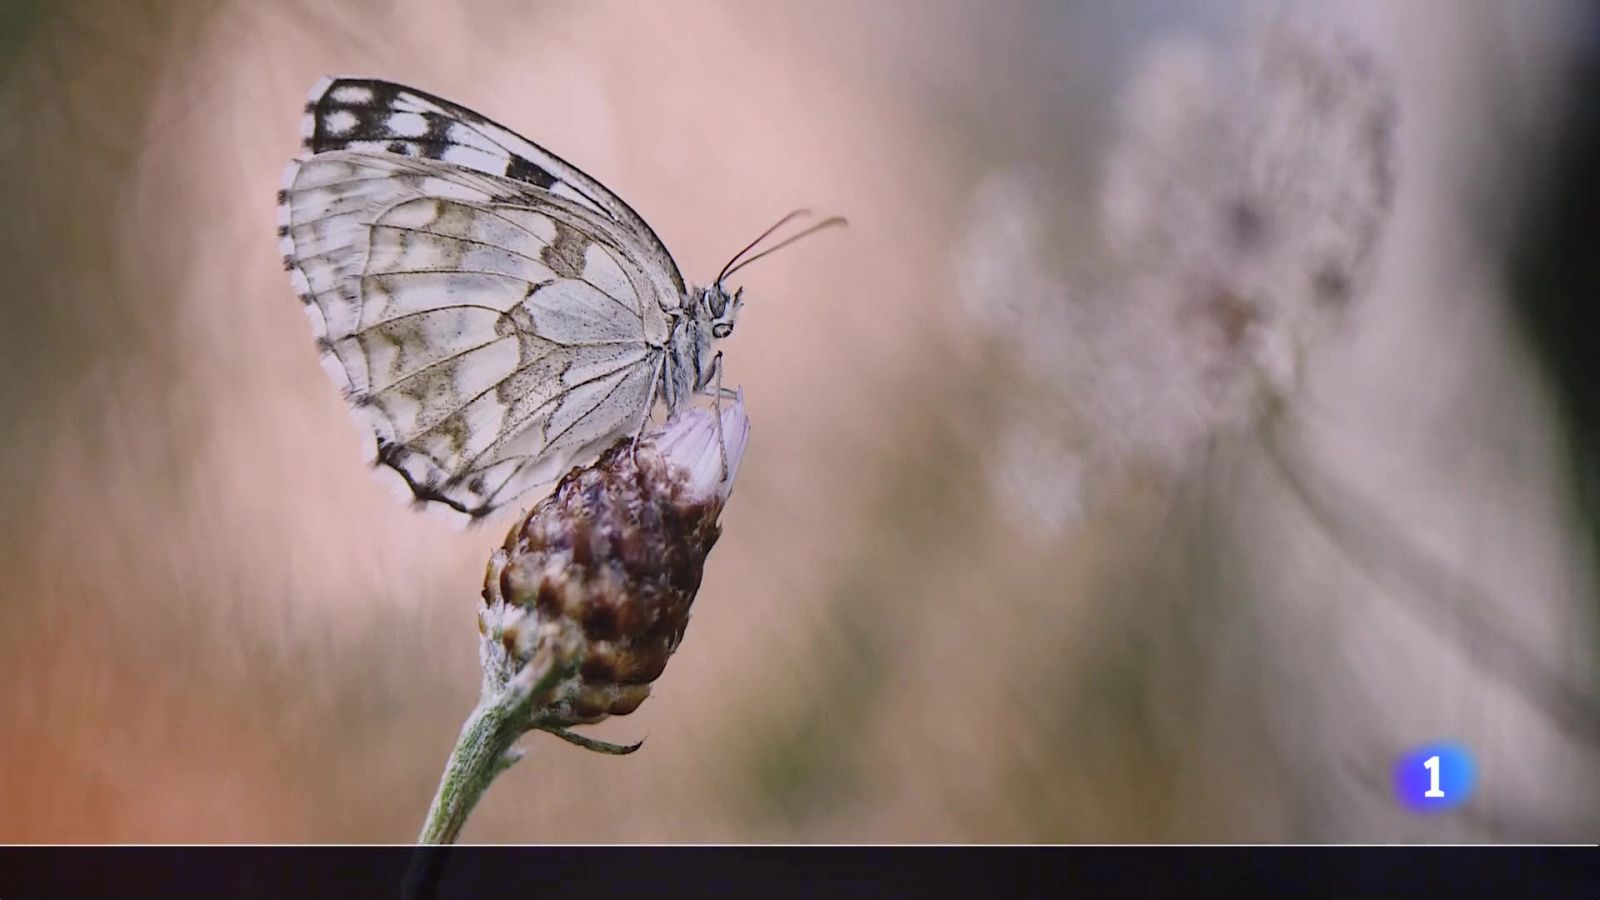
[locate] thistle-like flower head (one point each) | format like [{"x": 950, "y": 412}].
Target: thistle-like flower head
[{"x": 608, "y": 565}]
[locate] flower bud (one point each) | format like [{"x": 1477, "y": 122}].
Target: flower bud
[{"x": 613, "y": 558}]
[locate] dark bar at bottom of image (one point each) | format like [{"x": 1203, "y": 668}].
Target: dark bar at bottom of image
[{"x": 300, "y": 873}]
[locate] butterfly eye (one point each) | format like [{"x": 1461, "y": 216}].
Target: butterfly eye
[{"x": 721, "y": 330}]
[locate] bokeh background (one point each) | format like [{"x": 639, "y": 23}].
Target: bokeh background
[{"x": 956, "y": 599}]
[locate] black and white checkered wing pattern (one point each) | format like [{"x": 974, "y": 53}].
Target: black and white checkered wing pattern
[
  {"x": 364, "y": 114},
  {"x": 489, "y": 333}
]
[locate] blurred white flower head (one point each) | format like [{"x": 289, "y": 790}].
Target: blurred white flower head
[
  {"x": 1057, "y": 503},
  {"x": 1240, "y": 205},
  {"x": 1257, "y": 196},
  {"x": 999, "y": 279}
]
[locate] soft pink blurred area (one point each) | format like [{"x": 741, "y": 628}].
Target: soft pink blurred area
[{"x": 217, "y": 626}]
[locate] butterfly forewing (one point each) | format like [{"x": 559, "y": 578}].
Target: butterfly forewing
[
  {"x": 370, "y": 115},
  {"x": 489, "y": 330}
]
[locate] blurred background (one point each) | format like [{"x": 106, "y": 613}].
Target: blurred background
[{"x": 1195, "y": 417}]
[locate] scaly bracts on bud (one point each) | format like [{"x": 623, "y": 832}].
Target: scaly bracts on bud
[
  {"x": 590, "y": 594},
  {"x": 613, "y": 556}
]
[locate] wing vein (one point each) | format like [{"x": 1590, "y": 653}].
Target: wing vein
[
  {"x": 434, "y": 365},
  {"x": 556, "y": 399}
]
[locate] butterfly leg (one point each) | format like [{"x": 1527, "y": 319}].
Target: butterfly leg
[
  {"x": 718, "y": 392},
  {"x": 644, "y": 417},
  {"x": 716, "y": 406}
]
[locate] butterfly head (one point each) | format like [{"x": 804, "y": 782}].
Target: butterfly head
[
  {"x": 718, "y": 309},
  {"x": 719, "y": 306},
  {"x": 711, "y": 316},
  {"x": 714, "y": 307}
]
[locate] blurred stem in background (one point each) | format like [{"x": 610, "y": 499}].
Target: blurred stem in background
[
  {"x": 18, "y": 21},
  {"x": 1429, "y": 589},
  {"x": 1554, "y": 273}
]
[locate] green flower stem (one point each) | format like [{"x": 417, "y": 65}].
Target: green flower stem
[{"x": 486, "y": 746}]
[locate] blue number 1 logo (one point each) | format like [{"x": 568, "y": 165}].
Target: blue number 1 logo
[
  {"x": 1435, "y": 777},
  {"x": 1432, "y": 765}
]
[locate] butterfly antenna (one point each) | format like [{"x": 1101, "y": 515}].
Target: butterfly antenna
[
  {"x": 764, "y": 235},
  {"x": 826, "y": 223}
]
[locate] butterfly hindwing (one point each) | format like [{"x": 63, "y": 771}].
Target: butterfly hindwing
[{"x": 488, "y": 334}]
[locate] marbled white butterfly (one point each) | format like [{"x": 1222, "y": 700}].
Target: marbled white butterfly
[{"x": 493, "y": 314}]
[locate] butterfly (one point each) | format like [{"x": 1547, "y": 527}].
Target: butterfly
[{"x": 491, "y": 313}]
